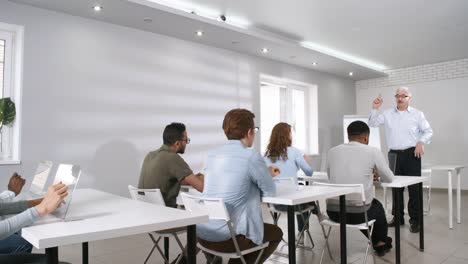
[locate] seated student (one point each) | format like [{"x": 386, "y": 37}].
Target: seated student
[
  {"x": 353, "y": 163},
  {"x": 239, "y": 175},
  {"x": 27, "y": 213},
  {"x": 15, "y": 185},
  {"x": 165, "y": 169},
  {"x": 289, "y": 160}
]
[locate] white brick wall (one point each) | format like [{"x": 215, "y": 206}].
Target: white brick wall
[{"x": 417, "y": 74}]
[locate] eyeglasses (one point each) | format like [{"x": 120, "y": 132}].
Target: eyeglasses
[
  {"x": 401, "y": 96},
  {"x": 186, "y": 140},
  {"x": 256, "y": 129}
]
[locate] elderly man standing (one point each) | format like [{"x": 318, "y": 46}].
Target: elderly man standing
[{"x": 407, "y": 131}]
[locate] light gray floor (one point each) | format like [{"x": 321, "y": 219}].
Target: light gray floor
[{"x": 442, "y": 245}]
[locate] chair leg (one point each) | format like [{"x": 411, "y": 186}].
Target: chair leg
[
  {"x": 385, "y": 198},
  {"x": 149, "y": 254},
  {"x": 369, "y": 243},
  {"x": 156, "y": 242},
  {"x": 259, "y": 256},
  {"x": 326, "y": 235},
  {"x": 428, "y": 202},
  {"x": 305, "y": 230}
]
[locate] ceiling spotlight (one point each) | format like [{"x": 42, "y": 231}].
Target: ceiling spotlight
[
  {"x": 97, "y": 8},
  {"x": 199, "y": 33},
  {"x": 350, "y": 73},
  {"x": 148, "y": 19},
  {"x": 222, "y": 18},
  {"x": 265, "y": 50},
  {"x": 314, "y": 63}
]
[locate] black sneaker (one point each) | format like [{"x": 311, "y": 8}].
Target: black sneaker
[
  {"x": 380, "y": 250},
  {"x": 392, "y": 223},
  {"x": 414, "y": 228},
  {"x": 388, "y": 244}
]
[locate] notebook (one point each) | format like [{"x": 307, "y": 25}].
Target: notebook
[{"x": 69, "y": 175}]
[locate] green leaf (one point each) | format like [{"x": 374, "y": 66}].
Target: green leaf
[{"x": 7, "y": 111}]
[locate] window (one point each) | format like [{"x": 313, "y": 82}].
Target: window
[
  {"x": 11, "y": 48},
  {"x": 294, "y": 103}
]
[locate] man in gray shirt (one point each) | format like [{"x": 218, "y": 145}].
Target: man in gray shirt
[{"x": 355, "y": 163}]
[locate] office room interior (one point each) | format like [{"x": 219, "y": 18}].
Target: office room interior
[{"x": 95, "y": 82}]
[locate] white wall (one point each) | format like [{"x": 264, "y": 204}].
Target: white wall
[
  {"x": 440, "y": 91},
  {"x": 99, "y": 95}
]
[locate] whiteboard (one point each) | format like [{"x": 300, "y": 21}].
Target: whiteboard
[{"x": 374, "y": 137}]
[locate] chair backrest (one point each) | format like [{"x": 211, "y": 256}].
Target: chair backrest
[
  {"x": 285, "y": 181},
  {"x": 214, "y": 207},
  {"x": 358, "y": 188},
  {"x": 153, "y": 196}
]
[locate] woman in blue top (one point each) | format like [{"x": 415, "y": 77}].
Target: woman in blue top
[{"x": 288, "y": 159}]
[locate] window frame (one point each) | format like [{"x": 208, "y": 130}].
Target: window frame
[
  {"x": 13, "y": 71},
  {"x": 310, "y": 104}
]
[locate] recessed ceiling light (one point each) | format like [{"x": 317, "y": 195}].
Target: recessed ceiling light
[
  {"x": 234, "y": 42},
  {"x": 199, "y": 33},
  {"x": 350, "y": 73},
  {"x": 265, "y": 50},
  {"x": 314, "y": 63},
  {"x": 148, "y": 19},
  {"x": 97, "y": 8}
]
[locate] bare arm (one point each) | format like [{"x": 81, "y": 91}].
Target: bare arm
[{"x": 194, "y": 180}]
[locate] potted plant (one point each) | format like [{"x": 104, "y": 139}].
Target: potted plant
[{"x": 7, "y": 114}]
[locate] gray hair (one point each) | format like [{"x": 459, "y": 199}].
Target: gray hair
[{"x": 404, "y": 89}]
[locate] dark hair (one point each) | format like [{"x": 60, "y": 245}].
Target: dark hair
[
  {"x": 279, "y": 142},
  {"x": 237, "y": 122},
  {"x": 357, "y": 128},
  {"x": 172, "y": 133}
]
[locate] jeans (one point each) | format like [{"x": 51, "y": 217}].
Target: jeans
[{"x": 15, "y": 244}]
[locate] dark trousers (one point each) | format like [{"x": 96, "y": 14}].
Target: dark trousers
[
  {"x": 407, "y": 164},
  {"x": 271, "y": 233},
  {"x": 376, "y": 212}
]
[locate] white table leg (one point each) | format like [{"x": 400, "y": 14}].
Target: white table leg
[
  {"x": 450, "y": 199},
  {"x": 458, "y": 197}
]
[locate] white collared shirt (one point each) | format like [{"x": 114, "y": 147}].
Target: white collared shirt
[
  {"x": 353, "y": 163},
  {"x": 403, "y": 129}
]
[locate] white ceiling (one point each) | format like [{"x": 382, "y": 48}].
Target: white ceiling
[{"x": 394, "y": 34}]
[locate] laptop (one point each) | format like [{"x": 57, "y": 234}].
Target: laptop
[
  {"x": 69, "y": 175},
  {"x": 36, "y": 190}
]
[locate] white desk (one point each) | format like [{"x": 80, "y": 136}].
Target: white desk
[
  {"x": 305, "y": 194},
  {"x": 450, "y": 169},
  {"x": 398, "y": 183},
  {"x": 105, "y": 216}
]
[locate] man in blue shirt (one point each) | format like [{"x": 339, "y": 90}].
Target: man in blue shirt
[{"x": 239, "y": 175}]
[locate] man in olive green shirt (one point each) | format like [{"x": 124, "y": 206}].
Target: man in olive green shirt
[{"x": 165, "y": 169}]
